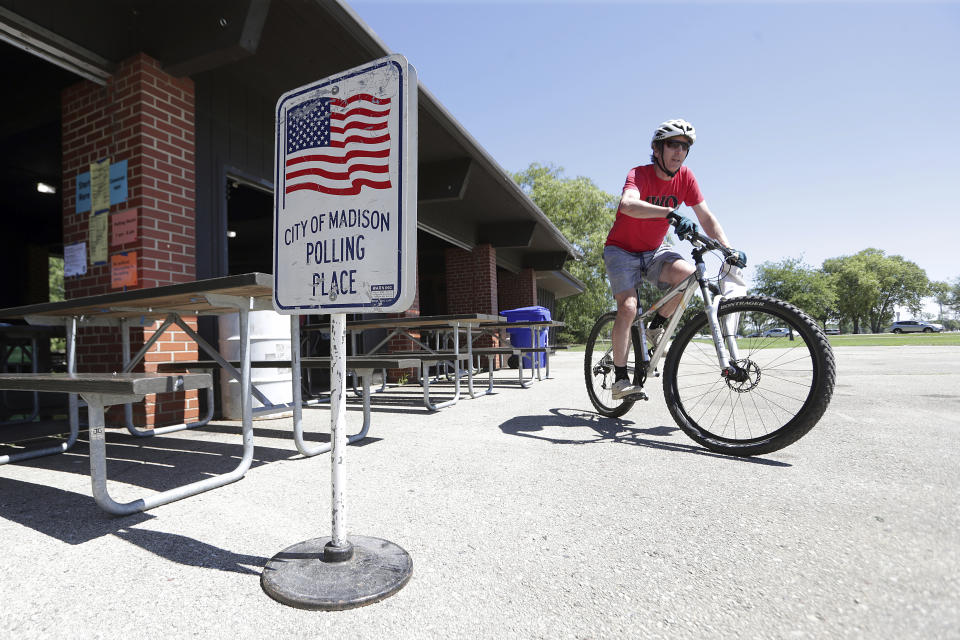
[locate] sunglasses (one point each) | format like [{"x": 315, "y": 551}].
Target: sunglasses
[{"x": 673, "y": 145}]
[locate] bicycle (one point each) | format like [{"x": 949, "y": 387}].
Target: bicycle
[{"x": 733, "y": 380}]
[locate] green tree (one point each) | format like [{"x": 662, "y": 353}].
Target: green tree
[
  {"x": 953, "y": 299},
  {"x": 55, "y": 278},
  {"x": 940, "y": 291},
  {"x": 870, "y": 284},
  {"x": 584, "y": 213},
  {"x": 799, "y": 284}
]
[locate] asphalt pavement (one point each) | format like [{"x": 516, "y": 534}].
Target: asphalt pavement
[{"x": 526, "y": 515}]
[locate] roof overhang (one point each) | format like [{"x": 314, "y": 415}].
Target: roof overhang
[{"x": 272, "y": 46}]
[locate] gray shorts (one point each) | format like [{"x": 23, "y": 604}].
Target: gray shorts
[{"x": 625, "y": 270}]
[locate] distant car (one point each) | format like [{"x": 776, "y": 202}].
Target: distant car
[
  {"x": 776, "y": 332},
  {"x": 832, "y": 332},
  {"x": 915, "y": 326}
]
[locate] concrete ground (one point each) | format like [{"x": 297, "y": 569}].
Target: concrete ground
[{"x": 527, "y": 516}]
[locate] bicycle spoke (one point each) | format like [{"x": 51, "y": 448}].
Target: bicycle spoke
[{"x": 770, "y": 386}]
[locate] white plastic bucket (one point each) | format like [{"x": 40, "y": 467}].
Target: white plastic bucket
[{"x": 269, "y": 340}]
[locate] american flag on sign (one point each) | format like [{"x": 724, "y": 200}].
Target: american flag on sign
[{"x": 338, "y": 146}]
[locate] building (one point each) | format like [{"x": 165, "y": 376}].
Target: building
[{"x": 181, "y": 96}]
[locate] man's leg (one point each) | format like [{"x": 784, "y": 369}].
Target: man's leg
[
  {"x": 626, "y": 312},
  {"x": 671, "y": 274}
]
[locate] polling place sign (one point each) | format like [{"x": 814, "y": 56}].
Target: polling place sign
[{"x": 345, "y": 218}]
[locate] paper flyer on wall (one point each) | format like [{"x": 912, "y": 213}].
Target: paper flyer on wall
[
  {"x": 98, "y": 238},
  {"x": 100, "y": 185},
  {"x": 75, "y": 259}
]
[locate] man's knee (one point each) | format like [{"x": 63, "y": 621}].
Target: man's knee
[
  {"x": 627, "y": 306},
  {"x": 675, "y": 272}
]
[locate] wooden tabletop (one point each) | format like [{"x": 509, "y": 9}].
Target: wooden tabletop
[{"x": 188, "y": 298}]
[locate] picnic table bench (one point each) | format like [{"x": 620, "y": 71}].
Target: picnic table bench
[
  {"x": 103, "y": 389},
  {"x": 363, "y": 365}
]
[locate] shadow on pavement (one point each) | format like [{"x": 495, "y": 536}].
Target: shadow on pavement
[
  {"x": 191, "y": 552},
  {"x": 610, "y": 430},
  {"x": 70, "y": 517}
]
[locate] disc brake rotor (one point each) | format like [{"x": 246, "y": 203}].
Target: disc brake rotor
[{"x": 745, "y": 378}]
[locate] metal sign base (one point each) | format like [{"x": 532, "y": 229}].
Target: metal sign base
[{"x": 300, "y": 577}]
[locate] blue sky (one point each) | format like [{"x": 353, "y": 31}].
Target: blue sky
[{"x": 823, "y": 128}]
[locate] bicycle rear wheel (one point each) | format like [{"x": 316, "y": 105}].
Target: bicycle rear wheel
[
  {"x": 787, "y": 382},
  {"x": 598, "y": 366}
]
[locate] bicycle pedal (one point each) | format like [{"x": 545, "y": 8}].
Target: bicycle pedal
[{"x": 639, "y": 395}]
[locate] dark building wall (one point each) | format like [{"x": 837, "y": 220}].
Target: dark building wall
[{"x": 234, "y": 137}]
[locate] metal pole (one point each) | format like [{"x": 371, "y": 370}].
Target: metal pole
[
  {"x": 339, "y": 548},
  {"x": 73, "y": 400},
  {"x": 125, "y": 343},
  {"x": 246, "y": 401}
]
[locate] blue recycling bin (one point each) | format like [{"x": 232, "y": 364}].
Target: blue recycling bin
[{"x": 520, "y": 337}]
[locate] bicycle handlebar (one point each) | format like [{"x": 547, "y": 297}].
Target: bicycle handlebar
[{"x": 699, "y": 238}]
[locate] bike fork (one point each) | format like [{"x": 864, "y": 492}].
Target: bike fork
[{"x": 711, "y": 306}]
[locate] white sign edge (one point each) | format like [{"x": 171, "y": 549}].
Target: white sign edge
[{"x": 408, "y": 178}]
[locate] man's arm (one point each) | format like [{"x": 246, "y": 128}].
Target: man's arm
[
  {"x": 633, "y": 205},
  {"x": 709, "y": 223}
]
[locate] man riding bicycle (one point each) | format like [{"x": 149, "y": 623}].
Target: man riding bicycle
[{"x": 635, "y": 246}]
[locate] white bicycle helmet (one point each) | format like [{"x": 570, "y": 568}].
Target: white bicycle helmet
[{"x": 674, "y": 129}]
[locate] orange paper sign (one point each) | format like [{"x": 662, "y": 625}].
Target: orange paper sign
[
  {"x": 123, "y": 227},
  {"x": 123, "y": 270}
]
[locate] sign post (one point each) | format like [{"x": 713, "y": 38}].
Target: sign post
[{"x": 345, "y": 226}]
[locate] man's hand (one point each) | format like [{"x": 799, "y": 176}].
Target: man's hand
[
  {"x": 739, "y": 259},
  {"x": 684, "y": 226}
]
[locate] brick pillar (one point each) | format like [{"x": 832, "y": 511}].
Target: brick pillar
[
  {"x": 471, "y": 280},
  {"x": 146, "y": 117},
  {"x": 515, "y": 290},
  {"x": 472, "y": 286}
]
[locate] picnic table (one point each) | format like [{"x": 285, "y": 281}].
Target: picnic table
[
  {"x": 428, "y": 355},
  {"x": 232, "y": 294},
  {"x": 24, "y": 341}
]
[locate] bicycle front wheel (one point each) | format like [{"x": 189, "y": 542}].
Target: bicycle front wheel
[
  {"x": 598, "y": 366},
  {"x": 786, "y": 380}
]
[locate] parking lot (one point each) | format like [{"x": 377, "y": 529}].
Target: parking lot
[{"x": 527, "y": 516}]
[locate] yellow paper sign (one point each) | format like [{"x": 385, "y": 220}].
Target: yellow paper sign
[
  {"x": 123, "y": 270},
  {"x": 98, "y": 237},
  {"x": 99, "y": 186}
]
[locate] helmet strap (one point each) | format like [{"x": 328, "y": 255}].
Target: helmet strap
[
  {"x": 663, "y": 168},
  {"x": 659, "y": 162}
]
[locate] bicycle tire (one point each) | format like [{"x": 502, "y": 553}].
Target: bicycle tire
[
  {"x": 692, "y": 379},
  {"x": 598, "y": 368}
]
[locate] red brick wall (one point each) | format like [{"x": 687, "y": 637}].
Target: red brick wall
[
  {"x": 472, "y": 286},
  {"x": 146, "y": 117},
  {"x": 515, "y": 290},
  {"x": 472, "y": 280}
]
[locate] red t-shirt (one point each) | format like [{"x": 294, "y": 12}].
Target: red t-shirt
[{"x": 646, "y": 234}]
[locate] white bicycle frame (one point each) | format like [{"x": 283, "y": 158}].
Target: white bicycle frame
[{"x": 724, "y": 338}]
